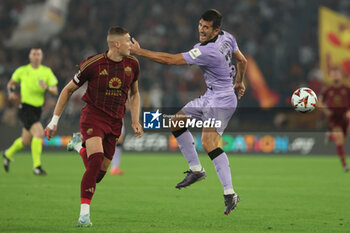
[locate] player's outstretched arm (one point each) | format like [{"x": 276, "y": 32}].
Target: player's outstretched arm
[
  {"x": 241, "y": 69},
  {"x": 163, "y": 58},
  {"x": 135, "y": 109},
  {"x": 65, "y": 95}
]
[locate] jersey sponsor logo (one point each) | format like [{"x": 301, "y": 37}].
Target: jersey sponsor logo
[
  {"x": 76, "y": 79},
  {"x": 114, "y": 92},
  {"x": 115, "y": 83},
  {"x": 194, "y": 53},
  {"x": 104, "y": 72}
]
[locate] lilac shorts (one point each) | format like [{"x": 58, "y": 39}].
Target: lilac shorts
[{"x": 218, "y": 105}]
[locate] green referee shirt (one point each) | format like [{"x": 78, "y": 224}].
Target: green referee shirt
[{"x": 31, "y": 91}]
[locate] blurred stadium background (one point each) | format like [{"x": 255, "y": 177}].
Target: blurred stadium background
[
  {"x": 289, "y": 44},
  {"x": 280, "y": 39}
]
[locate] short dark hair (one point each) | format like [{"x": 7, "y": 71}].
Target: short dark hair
[
  {"x": 117, "y": 31},
  {"x": 214, "y": 16}
]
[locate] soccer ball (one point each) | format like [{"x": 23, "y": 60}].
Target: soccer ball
[{"x": 304, "y": 100}]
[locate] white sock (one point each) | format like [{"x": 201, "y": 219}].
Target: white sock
[
  {"x": 229, "y": 191},
  {"x": 78, "y": 147},
  {"x": 84, "y": 209},
  {"x": 196, "y": 168}
]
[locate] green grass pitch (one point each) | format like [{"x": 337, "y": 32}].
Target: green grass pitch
[{"x": 278, "y": 194}]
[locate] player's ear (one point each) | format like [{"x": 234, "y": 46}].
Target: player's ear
[{"x": 117, "y": 44}]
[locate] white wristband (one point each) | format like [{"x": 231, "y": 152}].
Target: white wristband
[{"x": 53, "y": 122}]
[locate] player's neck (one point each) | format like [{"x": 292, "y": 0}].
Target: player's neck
[
  {"x": 114, "y": 56},
  {"x": 35, "y": 66}
]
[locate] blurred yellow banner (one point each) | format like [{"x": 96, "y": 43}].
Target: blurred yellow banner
[{"x": 334, "y": 42}]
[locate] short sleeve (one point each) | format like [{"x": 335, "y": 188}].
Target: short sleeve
[
  {"x": 82, "y": 75},
  {"x": 51, "y": 79},
  {"x": 137, "y": 71},
  {"x": 197, "y": 56},
  {"x": 233, "y": 43},
  {"x": 16, "y": 76}
]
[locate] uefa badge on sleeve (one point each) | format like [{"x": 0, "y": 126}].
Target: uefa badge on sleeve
[{"x": 151, "y": 120}]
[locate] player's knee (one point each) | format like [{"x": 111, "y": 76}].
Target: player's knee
[
  {"x": 26, "y": 142},
  {"x": 38, "y": 134},
  {"x": 339, "y": 141},
  {"x": 339, "y": 138},
  {"x": 207, "y": 144}
]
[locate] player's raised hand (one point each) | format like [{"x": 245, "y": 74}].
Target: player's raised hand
[
  {"x": 137, "y": 129},
  {"x": 134, "y": 46},
  {"x": 240, "y": 89}
]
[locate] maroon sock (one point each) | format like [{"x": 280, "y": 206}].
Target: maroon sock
[
  {"x": 100, "y": 176},
  {"x": 88, "y": 183},
  {"x": 341, "y": 154},
  {"x": 83, "y": 155},
  {"x": 331, "y": 137}
]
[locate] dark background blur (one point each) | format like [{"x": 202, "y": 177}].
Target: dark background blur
[{"x": 280, "y": 35}]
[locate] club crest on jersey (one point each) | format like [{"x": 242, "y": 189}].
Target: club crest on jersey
[
  {"x": 115, "y": 83},
  {"x": 128, "y": 70},
  {"x": 194, "y": 53}
]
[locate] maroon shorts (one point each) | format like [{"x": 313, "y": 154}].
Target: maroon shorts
[
  {"x": 95, "y": 123},
  {"x": 340, "y": 122}
]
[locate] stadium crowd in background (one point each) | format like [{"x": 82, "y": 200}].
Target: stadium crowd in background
[{"x": 281, "y": 36}]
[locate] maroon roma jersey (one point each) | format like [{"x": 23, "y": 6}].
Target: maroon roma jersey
[
  {"x": 337, "y": 99},
  {"x": 108, "y": 82}
]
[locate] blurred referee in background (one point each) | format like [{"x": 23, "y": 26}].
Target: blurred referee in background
[{"x": 34, "y": 79}]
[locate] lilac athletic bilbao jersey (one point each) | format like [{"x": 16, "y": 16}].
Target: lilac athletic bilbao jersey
[{"x": 214, "y": 59}]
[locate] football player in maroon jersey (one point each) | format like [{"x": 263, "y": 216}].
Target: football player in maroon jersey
[
  {"x": 110, "y": 76},
  {"x": 335, "y": 100}
]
